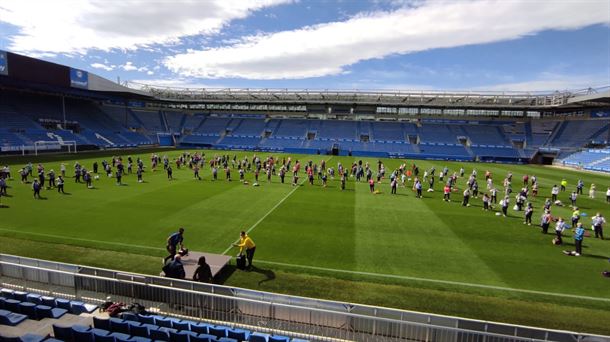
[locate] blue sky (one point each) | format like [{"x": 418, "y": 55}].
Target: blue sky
[{"x": 399, "y": 45}]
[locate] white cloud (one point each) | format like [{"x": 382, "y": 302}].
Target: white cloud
[
  {"x": 327, "y": 49},
  {"x": 75, "y": 26},
  {"x": 103, "y": 66},
  {"x": 129, "y": 66},
  {"x": 150, "y": 72}
]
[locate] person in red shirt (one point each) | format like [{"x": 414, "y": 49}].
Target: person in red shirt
[
  {"x": 372, "y": 184},
  {"x": 310, "y": 175},
  {"x": 447, "y": 193}
]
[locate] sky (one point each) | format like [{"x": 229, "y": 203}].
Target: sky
[{"x": 478, "y": 45}]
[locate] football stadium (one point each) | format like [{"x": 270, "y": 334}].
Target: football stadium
[{"x": 133, "y": 211}]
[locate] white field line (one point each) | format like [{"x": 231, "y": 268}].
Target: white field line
[
  {"x": 437, "y": 281},
  {"x": 61, "y": 237},
  {"x": 333, "y": 270},
  {"x": 270, "y": 211}
]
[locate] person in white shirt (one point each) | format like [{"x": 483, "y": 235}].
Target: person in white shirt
[
  {"x": 608, "y": 195},
  {"x": 559, "y": 228},
  {"x": 592, "y": 191},
  {"x": 504, "y": 203},
  {"x": 555, "y": 192},
  {"x": 598, "y": 222}
]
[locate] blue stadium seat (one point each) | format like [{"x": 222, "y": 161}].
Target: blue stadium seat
[
  {"x": 119, "y": 325},
  {"x": 11, "y": 318},
  {"x": 238, "y": 334},
  {"x": 129, "y": 316},
  {"x": 150, "y": 327},
  {"x": 218, "y": 331},
  {"x": 226, "y": 339},
  {"x": 63, "y": 303},
  {"x": 146, "y": 319},
  {"x": 201, "y": 328},
  {"x": 2, "y": 303},
  {"x": 180, "y": 336},
  {"x": 203, "y": 338},
  {"x": 43, "y": 311},
  {"x": 163, "y": 321},
  {"x": 20, "y": 296},
  {"x": 138, "y": 330},
  {"x": 4, "y": 338},
  {"x": 159, "y": 335},
  {"x": 180, "y": 325},
  {"x": 258, "y": 337},
  {"x": 62, "y": 333},
  {"x": 48, "y": 301},
  {"x": 278, "y": 338},
  {"x": 78, "y": 307},
  {"x": 82, "y": 333},
  {"x": 34, "y": 298},
  {"x": 28, "y": 309},
  {"x": 120, "y": 336},
  {"x": 51, "y": 339},
  {"x": 139, "y": 339},
  {"x": 6, "y": 293},
  {"x": 101, "y": 323},
  {"x": 12, "y": 305},
  {"x": 102, "y": 335}
]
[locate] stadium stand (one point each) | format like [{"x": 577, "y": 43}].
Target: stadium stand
[
  {"x": 19, "y": 307},
  {"x": 111, "y": 126},
  {"x": 592, "y": 159}
]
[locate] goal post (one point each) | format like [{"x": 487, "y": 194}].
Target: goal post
[{"x": 46, "y": 145}]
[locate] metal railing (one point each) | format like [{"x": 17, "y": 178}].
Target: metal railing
[{"x": 260, "y": 311}]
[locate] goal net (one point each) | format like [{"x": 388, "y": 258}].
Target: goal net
[{"x": 54, "y": 145}]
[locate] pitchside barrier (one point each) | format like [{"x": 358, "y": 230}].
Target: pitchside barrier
[{"x": 262, "y": 311}]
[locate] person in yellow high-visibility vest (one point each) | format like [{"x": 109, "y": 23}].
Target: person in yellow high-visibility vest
[{"x": 245, "y": 242}]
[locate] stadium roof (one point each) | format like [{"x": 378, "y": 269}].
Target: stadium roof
[{"x": 483, "y": 99}]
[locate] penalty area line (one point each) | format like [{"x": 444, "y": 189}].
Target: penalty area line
[{"x": 436, "y": 281}]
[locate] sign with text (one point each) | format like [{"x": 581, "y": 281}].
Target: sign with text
[{"x": 79, "y": 79}]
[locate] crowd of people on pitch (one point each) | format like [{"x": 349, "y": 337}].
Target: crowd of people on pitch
[{"x": 404, "y": 176}]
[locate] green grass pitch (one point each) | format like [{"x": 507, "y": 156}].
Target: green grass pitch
[{"x": 392, "y": 250}]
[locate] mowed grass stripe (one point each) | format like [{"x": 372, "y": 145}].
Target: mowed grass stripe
[
  {"x": 331, "y": 270},
  {"x": 406, "y": 236},
  {"x": 437, "y": 281},
  {"x": 266, "y": 214}
]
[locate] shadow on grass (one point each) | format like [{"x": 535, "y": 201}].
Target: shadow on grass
[
  {"x": 595, "y": 256},
  {"x": 269, "y": 274}
]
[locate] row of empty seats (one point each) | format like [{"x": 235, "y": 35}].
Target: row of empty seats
[{"x": 19, "y": 306}]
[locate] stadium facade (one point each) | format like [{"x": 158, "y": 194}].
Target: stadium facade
[{"x": 46, "y": 106}]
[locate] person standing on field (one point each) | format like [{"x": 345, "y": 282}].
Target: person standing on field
[
  {"x": 598, "y": 225},
  {"x": 246, "y": 243}
]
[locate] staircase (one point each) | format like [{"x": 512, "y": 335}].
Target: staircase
[
  {"x": 557, "y": 130},
  {"x": 469, "y": 150},
  {"x": 164, "y": 121}
]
